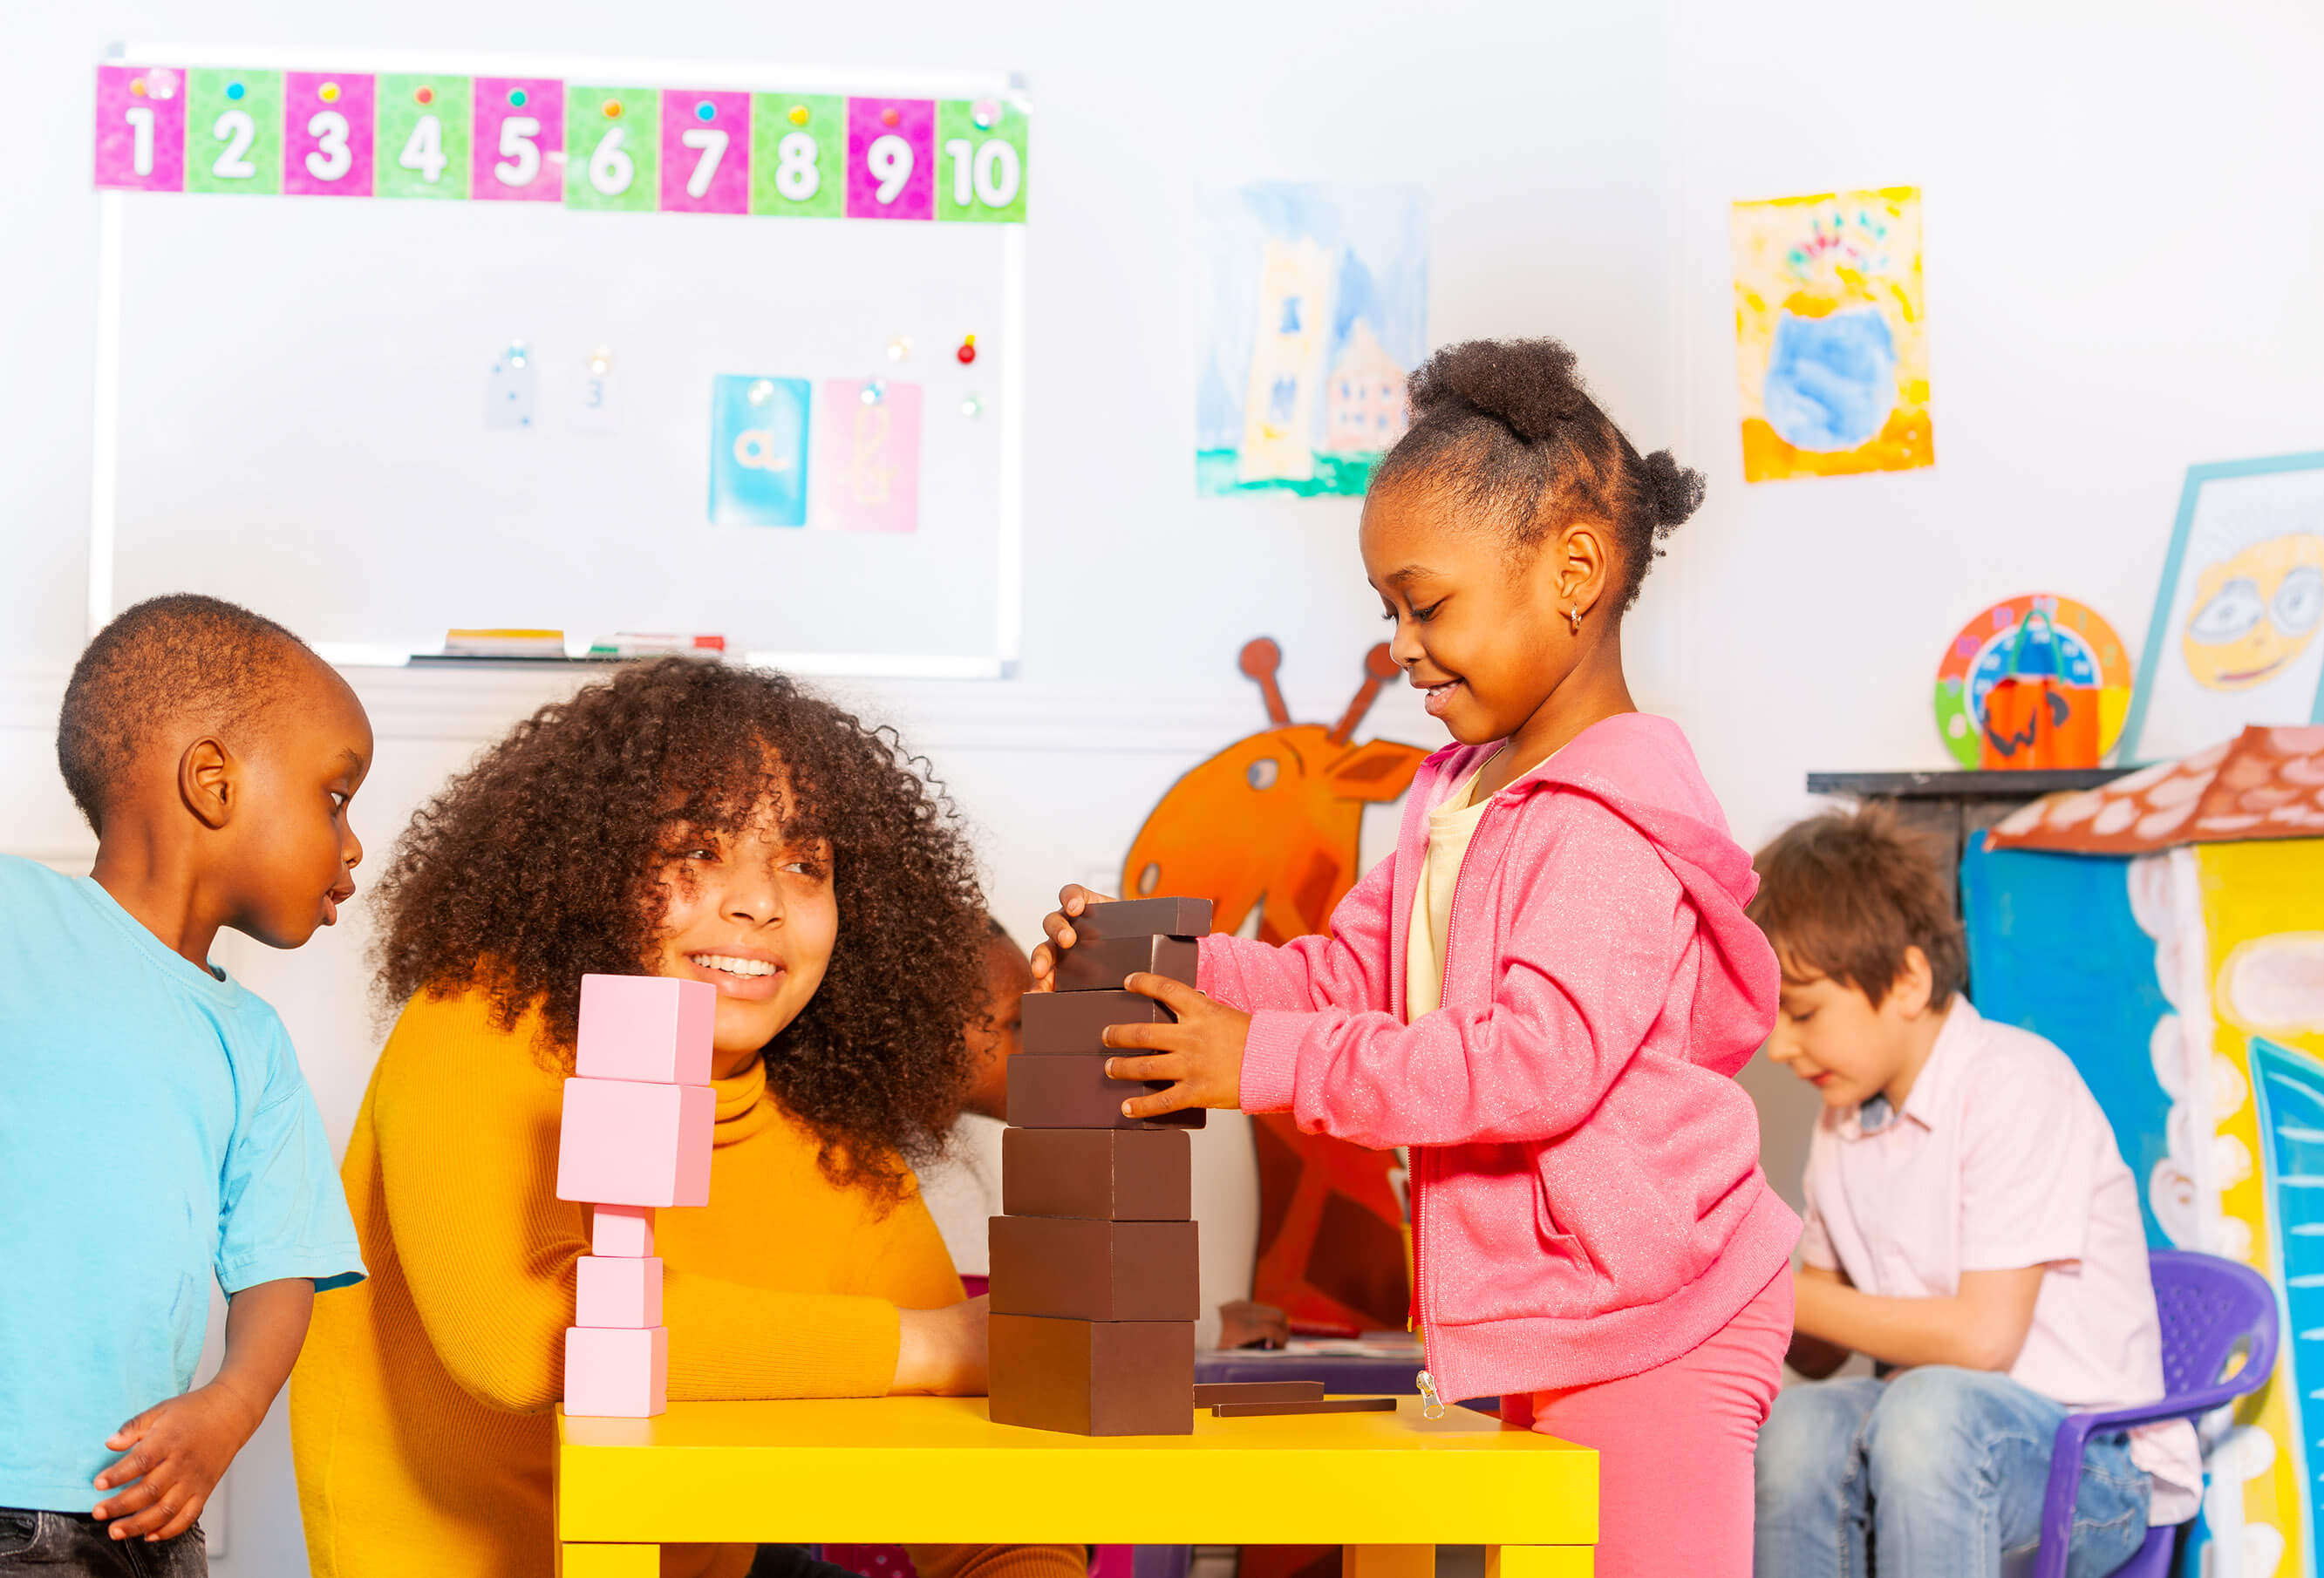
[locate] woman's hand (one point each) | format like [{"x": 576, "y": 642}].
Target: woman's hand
[
  {"x": 1072, "y": 900},
  {"x": 941, "y": 1353},
  {"x": 1202, "y": 1054}
]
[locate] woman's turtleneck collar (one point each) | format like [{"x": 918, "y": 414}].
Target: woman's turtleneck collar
[{"x": 744, "y": 1106}]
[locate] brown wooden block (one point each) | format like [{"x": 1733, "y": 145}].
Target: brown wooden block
[
  {"x": 1116, "y": 1175},
  {"x": 1103, "y": 964},
  {"x": 1073, "y": 1093},
  {"x": 1062, "y": 1024},
  {"x": 1337, "y": 1405},
  {"x": 1078, "y": 1269},
  {"x": 1163, "y": 917},
  {"x": 1208, "y": 1393},
  {"x": 1093, "y": 1378}
]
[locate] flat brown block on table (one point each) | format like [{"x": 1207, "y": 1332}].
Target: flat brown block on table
[
  {"x": 1163, "y": 917},
  {"x": 1084, "y": 1270},
  {"x": 1337, "y": 1405},
  {"x": 1208, "y": 1393},
  {"x": 1117, "y": 1175},
  {"x": 1103, "y": 964},
  {"x": 1072, "y": 1022},
  {"x": 1093, "y": 1377},
  {"x": 1073, "y": 1093}
]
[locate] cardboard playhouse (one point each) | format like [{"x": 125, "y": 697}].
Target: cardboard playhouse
[{"x": 2167, "y": 931}]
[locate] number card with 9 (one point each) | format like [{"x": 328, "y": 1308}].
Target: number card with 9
[
  {"x": 891, "y": 158},
  {"x": 798, "y": 155},
  {"x": 706, "y": 139},
  {"x": 141, "y": 128},
  {"x": 327, "y": 134},
  {"x": 423, "y": 137},
  {"x": 520, "y": 125},
  {"x": 233, "y": 132},
  {"x": 980, "y": 160},
  {"x": 614, "y": 138}
]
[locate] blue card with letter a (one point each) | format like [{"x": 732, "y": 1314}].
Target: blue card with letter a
[{"x": 758, "y": 449}]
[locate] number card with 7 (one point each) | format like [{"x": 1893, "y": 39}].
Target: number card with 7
[
  {"x": 234, "y": 130},
  {"x": 706, "y": 137},
  {"x": 798, "y": 155},
  {"x": 520, "y": 125},
  {"x": 327, "y": 134},
  {"x": 141, "y": 128},
  {"x": 423, "y": 137},
  {"x": 891, "y": 158},
  {"x": 980, "y": 160},
  {"x": 615, "y": 136}
]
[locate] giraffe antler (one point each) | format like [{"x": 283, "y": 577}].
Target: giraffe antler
[
  {"x": 1379, "y": 669},
  {"x": 1261, "y": 659}
]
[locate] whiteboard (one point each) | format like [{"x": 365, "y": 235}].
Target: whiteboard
[{"x": 292, "y": 414}]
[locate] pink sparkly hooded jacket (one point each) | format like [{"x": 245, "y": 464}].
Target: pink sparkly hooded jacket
[{"x": 1587, "y": 1198}]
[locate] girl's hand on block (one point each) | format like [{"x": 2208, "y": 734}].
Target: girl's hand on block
[
  {"x": 941, "y": 1353},
  {"x": 1202, "y": 1054},
  {"x": 1072, "y": 900}
]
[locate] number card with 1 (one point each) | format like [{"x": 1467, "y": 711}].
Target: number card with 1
[
  {"x": 327, "y": 134},
  {"x": 234, "y": 130},
  {"x": 707, "y": 137},
  {"x": 891, "y": 158},
  {"x": 798, "y": 155},
  {"x": 980, "y": 160},
  {"x": 519, "y": 129},
  {"x": 141, "y": 128},
  {"x": 615, "y": 136},
  {"x": 423, "y": 137},
  {"x": 867, "y": 456}
]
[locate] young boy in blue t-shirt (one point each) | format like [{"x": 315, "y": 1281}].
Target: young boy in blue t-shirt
[{"x": 154, "y": 1129}]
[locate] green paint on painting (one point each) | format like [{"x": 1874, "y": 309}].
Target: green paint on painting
[
  {"x": 423, "y": 137},
  {"x": 234, "y": 130},
  {"x": 798, "y": 155},
  {"x": 612, "y": 148},
  {"x": 983, "y": 172},
  {"x": 1335, "y": 474}
]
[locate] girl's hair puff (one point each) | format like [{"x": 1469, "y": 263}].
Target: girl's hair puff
[
  {"x": 1507, "y": 430},
  {"x": 537, "y": 866}
]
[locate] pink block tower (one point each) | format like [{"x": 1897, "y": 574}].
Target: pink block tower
[{"x": 636, "y": 1136}]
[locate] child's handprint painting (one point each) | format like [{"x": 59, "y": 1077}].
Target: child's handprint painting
[{"x": 1831, "y": 334}]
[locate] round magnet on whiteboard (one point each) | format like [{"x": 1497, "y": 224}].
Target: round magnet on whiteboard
[
  {"x": 600, "y": 362},
  {"x": 234, "y": 90},
  {"x": 986, "y": 113},
  {"x": 423, "y": 95},
  {"x": 162, "y": 82},
  {"x": 798, "y": 114},
  {"x": 516, "y": 352},
  {"x": 137, "y": 87},
  {"x": 888, "y": 117},
  {"x": 874, "y": 392},
  {"x": 613, "y": 109},
  {"x": 762, "y": 390},
  {"x": 900, "y": 347},
  {"x": 972, "y": 406},
  {"x": 967, "y": 351},
  {"x": 328, "y": 93},
  {"x": 706, "y": 111},
  {"x": 516, "y": 98}
]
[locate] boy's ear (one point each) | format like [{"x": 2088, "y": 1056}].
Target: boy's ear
[
  {"x": 1914, "y": 984},
  {"x": 207, "y": 774}
]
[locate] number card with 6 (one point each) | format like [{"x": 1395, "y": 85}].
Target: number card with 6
[
  {"x": 891, "y": 158},
  {"x": 980, "y": 160},
  {"x": 519, "y": 129},
  {"x": 141, "y": 128},
  {"x": 707, "y": 137},
  {"x": 327, "y": 134},
  {"x": 798, "y": 155},
  {"x": 423, "y": 137},
  {"x": 234, "y": 130},
  {"x": 615, "y": 135}
]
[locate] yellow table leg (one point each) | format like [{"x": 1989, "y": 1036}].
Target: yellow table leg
[
  {"x": 610, "y": 1561},
  {"x": 1539, "y": 1561},
  {"x": 1388, "y": 1562}
]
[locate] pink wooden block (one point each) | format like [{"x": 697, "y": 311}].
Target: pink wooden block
[
  {"x": 624, "y": 1142},
  {"x": 616, "y": 1373},
  {"x": 617, "y": 1292},
  {"x": 645, "y": 1027},
  {"x": 626, "y": 1231}
]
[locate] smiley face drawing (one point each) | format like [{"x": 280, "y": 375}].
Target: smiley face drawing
[{"x": 2254, "y": 613}]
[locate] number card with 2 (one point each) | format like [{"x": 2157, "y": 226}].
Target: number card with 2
[
  {"x": 981, "y": 160},
  {"x": 798, "y": 155},
  {"x": 141, "y": 128},
  {"x": 519, "y": 129},
  {"x": 234, "y": 130},
  {"x": 423, "y": 137},
  {"x": 327, "y": 134},
  {"x": 615, "y": 135},
  {"x": 891, "y": 158},
  {"x": 707, "y": 139}
]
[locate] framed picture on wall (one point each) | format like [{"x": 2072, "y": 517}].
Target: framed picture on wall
[{"x": 2234, "y": 639}]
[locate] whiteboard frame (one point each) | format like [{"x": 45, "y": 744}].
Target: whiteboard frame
[{"x": 1009, "y": 611}]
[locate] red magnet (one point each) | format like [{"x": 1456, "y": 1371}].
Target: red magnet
[{"x": 967, "y": 351}]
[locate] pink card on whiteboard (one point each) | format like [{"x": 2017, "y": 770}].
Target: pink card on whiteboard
[
  {"x": 891, "y": 159},
  {"x": 141, "y": 128},
  {"x": 326, "y": 133},
  {"x": 520, "y": 138},
  {"x": 867, "y": 456},
  {"x": 705, "y": 151}
]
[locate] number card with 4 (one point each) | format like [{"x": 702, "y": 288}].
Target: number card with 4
[
  {"x": 981, "y": 157},
  {"x": 141, "y": 128},
  {"x": 423, "y": 137},
  {"x": 519, "y": 129},
  {"x": 234, "y": 130},
  {"x": 615, "y": 136},
  {"x": 798, "y": 155},
  {"x": 891, "y": 158},
  {"x": 707, "y": 137},
  {"x": 327, "y": 134}
]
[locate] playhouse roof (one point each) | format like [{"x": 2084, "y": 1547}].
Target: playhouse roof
[{"x": 2265, "y": 783}]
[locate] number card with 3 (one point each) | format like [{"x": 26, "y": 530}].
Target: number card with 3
[
  {"x": 707, "y": 139},
  {"x": 327, "y": 134},
  {"x": 798, "y": 155},
  {"x": 234, "y": 130},
  {"x": 141, "y": 128},
  {"x": 615, "y": 136},
  {"x": 519, "y": 131},
  {"x": 423, "y": 137},
  {"x": 980, "y": 160},
  {"x": 891, "y": 158}
]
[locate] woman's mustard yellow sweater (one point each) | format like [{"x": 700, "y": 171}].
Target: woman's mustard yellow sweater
[{"x": 420, "y": 1409}]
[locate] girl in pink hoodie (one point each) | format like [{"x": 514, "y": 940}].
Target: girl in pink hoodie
[{"x": 1547, "y": 991}]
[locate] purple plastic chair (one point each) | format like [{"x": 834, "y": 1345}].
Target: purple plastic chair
[{"x": 2211, "y": 1309}]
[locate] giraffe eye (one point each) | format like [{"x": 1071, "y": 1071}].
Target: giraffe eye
[{"x": 1262, "y": 773}]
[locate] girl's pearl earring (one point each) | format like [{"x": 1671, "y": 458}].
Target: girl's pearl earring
[{"x": 1576, "y": 612}]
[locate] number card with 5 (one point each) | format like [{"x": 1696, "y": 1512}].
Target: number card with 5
[
  {"x": 614, "y": 138},
  {"x": 423, "y": 137},
  {"x": 798, "y": 155},
  {"x": 707, "y": 139},
  {"x": 519, "y": 130},
  {"x": 327, "y": 134},
  {"x": 891, "y": 158},
  {"x": 234, "y": 130},
  {"x": 980, "y": 160},
  {"x": 141, "y": 128}
]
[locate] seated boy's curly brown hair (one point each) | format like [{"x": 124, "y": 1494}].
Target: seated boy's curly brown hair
[{"x": 536, "y": 866}]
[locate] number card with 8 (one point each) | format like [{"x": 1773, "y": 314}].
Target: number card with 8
[
  {"x": 891, "y": 158},
  {"x": 798, "y": 155},
  {"x": 327, "y": 134},
  {"x": 614, "y": 138},
  {"x": 423, "y": 137},
  {"x": 981, "y": 147},
  {"x": 234, "y": 130},
  {"x": 707, "y": 139},
  {"x": 519, "y": 129},
  {"x": 141, "y": 128}
]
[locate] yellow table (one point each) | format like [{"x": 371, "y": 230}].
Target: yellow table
[{"x": 870, "y": 1471}]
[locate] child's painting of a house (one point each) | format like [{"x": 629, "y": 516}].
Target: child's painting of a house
[{"x": 1314, "y": 308}]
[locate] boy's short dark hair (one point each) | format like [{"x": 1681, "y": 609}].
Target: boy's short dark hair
[
  {"x": 167, "y": 659},
  {"x": 1845, "y": 893}
]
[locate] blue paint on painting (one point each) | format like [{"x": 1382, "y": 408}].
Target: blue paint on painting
[
  {"x": 1831, "y": 382},
  {"x": 2288, "y": 1096}
]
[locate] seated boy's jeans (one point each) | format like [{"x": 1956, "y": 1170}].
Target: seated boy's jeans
[
  {"x": 73, "y": 1544},
  {"x": 1933, "y": 1474}
]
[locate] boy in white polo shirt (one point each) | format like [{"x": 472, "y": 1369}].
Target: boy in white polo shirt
[{"x": 1971, "y": 1226}]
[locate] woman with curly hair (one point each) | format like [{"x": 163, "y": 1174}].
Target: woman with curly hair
[{"x": 704, "y": 823}]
